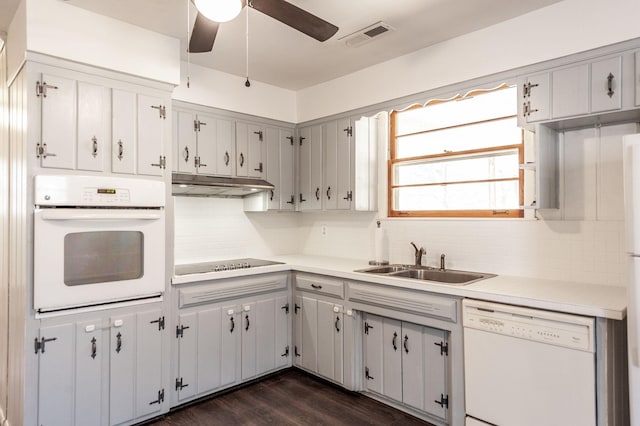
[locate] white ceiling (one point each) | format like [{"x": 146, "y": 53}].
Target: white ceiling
[{"x": 284, "y": 57}]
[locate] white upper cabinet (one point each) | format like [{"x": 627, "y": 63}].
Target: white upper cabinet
[
  {"x": 123, "y": 129},
  {"x": 224, "y": 147},
  {"x": 93, "y": 124},
  {"x": 337, "y": 164},
  {"x": 242, "y": 146},
  {"x": 256, "y": 149},
  {"x": 56, "y": 147},
  {"x": 185, "y": 142},
  {"x": 280, "y": 168},
  {"x": 606, "y": 85},
  {"x": 570, "y": 95},
  {"x": 535, "y": 96},
  {"x": 310, "y": 166},
  {"x": 152, "y": 116}
]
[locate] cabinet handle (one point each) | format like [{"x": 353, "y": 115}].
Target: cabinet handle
[
  {"x": 337, "y": 324},
  {"x": 94, "y": 348},
  {"x": 246, "y": 328},
  {"x": 610, "y": 78},
  {"x": 316, "y": 286},
  {"x": 292, "y": 201},
  {"x": 94, "y": 141},
  {"x": 318, "y": 194},
  {"x": 394, "y": 341},
  {"x": 186, "y": 154},
  {"x": 259, "y": 169},
  {"x": 241, "y": 159},
  {"x": 120, "y": 150},
  {"x": 406, "y": 343},
  {"x": 271, "y": 197},
  {"x": 328, "y": 193},
  {"x": 226, "y": 158},
  {"x": 233, "y": 325},
  {"x": 118, "y": 342}
]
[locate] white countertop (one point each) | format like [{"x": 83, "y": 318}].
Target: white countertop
[{"x": 575, "y": 298}]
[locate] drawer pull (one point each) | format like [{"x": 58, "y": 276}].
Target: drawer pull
[
  {"x": 393, "y": 342},
  {"x": 316, "y": 286}
]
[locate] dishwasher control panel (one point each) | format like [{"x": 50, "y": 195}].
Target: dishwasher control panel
[{"x": 571, "y": 331}]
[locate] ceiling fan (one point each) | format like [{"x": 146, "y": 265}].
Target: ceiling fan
[{"x": 205, "y": 28}]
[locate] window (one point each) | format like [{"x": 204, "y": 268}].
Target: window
[{"x": 458, "y": 158}]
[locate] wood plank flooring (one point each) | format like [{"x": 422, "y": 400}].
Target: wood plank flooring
[{"x": 289, "y": 398}]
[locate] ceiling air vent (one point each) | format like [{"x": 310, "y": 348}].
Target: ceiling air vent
[{"x": 366, "y": 34}]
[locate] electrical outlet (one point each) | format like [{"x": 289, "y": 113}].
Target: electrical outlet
[{"x": 323, "y": 230}]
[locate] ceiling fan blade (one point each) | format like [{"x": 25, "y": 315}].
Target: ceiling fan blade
[
  {"x": 203, "y": 34},
  {"x": 296, "y": 18}
]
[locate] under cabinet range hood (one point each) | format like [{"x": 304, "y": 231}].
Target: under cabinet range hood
[{"x": 184, "y": 184}]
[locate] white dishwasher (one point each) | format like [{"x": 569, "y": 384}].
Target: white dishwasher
[{"x": 528, "y": 367}]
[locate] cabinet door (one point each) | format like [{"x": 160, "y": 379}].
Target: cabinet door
[
  {"x": 56, "y": 375},
  {"x": 274, "y": 145},
  {"x": 224, "y": 147},
  {"x": 248, "y": 332},
  {"x": 434, "y": 371},
  {"x": 331, "y": 192},
  {"x": 230, "y": 346},
  {"x": 282, "y": 331},
  {"x": 636, "y": 77},
  {"x": 305, "y": 169},
  {"x": 310, "y": 333},
  {"x": 606, "y": 85},
  {"x": 412, "y": 366},
  {"x": 392, "y": 349},
  {"x": 338, "y": 343},
  {"x": 92, "y": 126},
  {"x": 297, "y": 331},
  {"x": 88, "y": 377},
  {"x": 206, "y": 154},
  {"x": 58, "y": 122},
  {"x": 265, "y": 315},
  {"x": 570, "y": 93},
  {"x": 151, "y": 118},
  {"x": 209, "y": 349},
  {"x": 256, "y": 148},
  {"x": 242, "y": 145},
  {"x": 344, "y": 150},
  {"x": 287, "y": 186},
  {"x": 123, "y": 129},
  {"x": 122, "y": 369},
  {"x": 188, "y": 373},
  {"x": 186, "y": 142},
  {"x": 148, "y": 362},
  {"x": 538, "y": 99},
  {"x": 373, "y": 358},
  {"x": 311, "y": 190},
  {"x": 325, "y": 345}
]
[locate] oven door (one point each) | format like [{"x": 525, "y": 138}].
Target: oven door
[{"x": 92, "y": 256}]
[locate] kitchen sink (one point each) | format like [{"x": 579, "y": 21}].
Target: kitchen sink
[{"x": 428, "y": 274}]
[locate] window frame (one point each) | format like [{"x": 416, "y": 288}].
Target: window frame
[{"x": 489, "y": 213}]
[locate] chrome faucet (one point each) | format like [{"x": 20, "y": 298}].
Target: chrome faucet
[
  {"x": 442, "y": 262},
  {"x": 419, "y": 252}
]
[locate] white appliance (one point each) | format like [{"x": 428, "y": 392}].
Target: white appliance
[
  {"x": 631, "y": 156},
  {"x": 97, "y": 240},
  {"x": 528, "y": 367}
]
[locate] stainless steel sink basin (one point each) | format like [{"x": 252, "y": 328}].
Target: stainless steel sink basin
[{"x": 428, "y": 274}]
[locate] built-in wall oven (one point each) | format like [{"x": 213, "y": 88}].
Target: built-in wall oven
[{"x": 97, "y": 240}]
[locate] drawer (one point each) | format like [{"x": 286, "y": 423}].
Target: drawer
[{"x": 320, "y": 285}]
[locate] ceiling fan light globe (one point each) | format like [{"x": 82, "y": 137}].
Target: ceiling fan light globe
[{"x": 219, "y": 10}]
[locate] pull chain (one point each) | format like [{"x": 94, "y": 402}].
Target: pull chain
[
  {"x": 247, "y": 83},
  {"x": 188, "y": 38}
]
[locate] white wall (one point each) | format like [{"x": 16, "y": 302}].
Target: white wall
[
  {"x": 17, "y": 40},
  {"x": 221, "y": 90},
  {"x": 561, "y": 29},
  {"x": 209, "y": 229},
  {"x": 62, "y": 30}
]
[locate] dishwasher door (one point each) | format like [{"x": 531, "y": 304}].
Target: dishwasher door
[{"x": 520, "y": 370}]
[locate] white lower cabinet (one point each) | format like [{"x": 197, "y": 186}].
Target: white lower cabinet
[
  {"x": 76, "y": 357},
  {"x": 226, "y": 342},
  {"x": 407, "y": 363}
]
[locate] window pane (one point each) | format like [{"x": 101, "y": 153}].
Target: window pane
[
  {"x": 475, "y": 136},
  {"x": 496, "y": 165},
  {"x": 467, "y": 196},
  {"x": 482, "y": 107}
]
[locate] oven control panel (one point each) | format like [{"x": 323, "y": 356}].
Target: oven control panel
[{"x": 106, "y": 195}]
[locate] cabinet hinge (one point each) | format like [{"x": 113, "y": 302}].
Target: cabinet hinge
[
  {"x": 180, "y": 330},
  {"x": 160, "y": 399},
  {"x": 367, "y": 327},
  {"x": 286, "y": 308},
  {"x": 444, "y": 401},
  {"x": 162, "y": 162},
  {"x": 290, "y": 139},
  {"x": 296, "y": 308},
  {"x": 286, "y": 351},
  {"x": 41, "y": 88},
  {"x": 259, "y": 133},
  {"x": 39, "y": 344},
  {"x": 162, "y": 110},
  {"x": 196, "y": 126},
  {"x": 160, "y": 322},
  {"x": 349, "y": 196},
  {"x": 444, "y": 348},
  {"x": 349, "y": 130},
  {"x": 367, "y": 375},
  {"x": 295, "y": 351},
  {"x": 180, "y": 385},
  {"x": 301, "y": 139}
]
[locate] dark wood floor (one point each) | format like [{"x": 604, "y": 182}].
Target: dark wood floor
[{"x": 289, "y": 398}]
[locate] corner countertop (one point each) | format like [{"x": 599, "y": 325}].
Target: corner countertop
[{"x": 563, "y": 296}]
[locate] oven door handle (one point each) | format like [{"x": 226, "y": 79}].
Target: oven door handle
[{"x": 102, "y": 215}]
